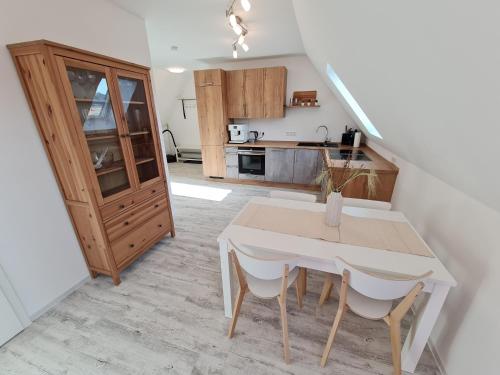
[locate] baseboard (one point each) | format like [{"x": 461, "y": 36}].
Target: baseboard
[{"x": 58, "y": 299}]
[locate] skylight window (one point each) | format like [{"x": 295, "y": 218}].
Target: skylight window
[{"x": 353, "y": 104}]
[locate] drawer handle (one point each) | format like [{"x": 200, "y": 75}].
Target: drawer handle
[
  {"x": 160, "y": 225},
  {"x": 126, "y": 223},
  {"x": 131, "y": 245},
  {"x": 157, "y": 205},
  {"x": 153, "y": 191},
  {"x": 121, "y": 206}
]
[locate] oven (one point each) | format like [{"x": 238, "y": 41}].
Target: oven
[{"x": 251, "y": 163}]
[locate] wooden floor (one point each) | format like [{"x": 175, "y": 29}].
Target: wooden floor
[{"x": 167, "y": 317}]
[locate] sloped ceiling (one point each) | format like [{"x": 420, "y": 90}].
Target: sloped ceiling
[{"x": 427, "y": 75}]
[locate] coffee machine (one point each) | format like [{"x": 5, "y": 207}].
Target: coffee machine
[{"x": 238, "y": 133}]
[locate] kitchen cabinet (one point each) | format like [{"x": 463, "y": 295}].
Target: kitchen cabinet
[
  {"x": 231, "y": 155},
  {"x": 274, "y": 96},
  {"x": 214, "y": 164},
  {"x": 256, "y": 93},
  {"x": 279, "y": 164},
  {"x": 305, "y": 167},
  {"x": 97, "y": 121},
  {"x": 210, "y": 86}
]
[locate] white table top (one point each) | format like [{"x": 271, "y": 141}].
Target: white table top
[{"x": 382, "y": 260}]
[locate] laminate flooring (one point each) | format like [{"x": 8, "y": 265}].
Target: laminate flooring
[{"x": 166, "y": 317}]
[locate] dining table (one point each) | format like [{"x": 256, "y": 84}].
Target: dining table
[{"x": 320, "y": 254}]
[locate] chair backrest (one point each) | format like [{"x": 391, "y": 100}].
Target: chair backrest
[
  {"x": 261, "y": 267},
  {"x": 378, "y": 285},
  {"x": 294, "y": 196},
  {"x": 367, "y": 203}
]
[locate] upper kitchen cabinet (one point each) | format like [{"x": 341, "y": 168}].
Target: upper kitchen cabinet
[
  {"x": 209, "y": 77},
  {"x": 256, "y": 93},
  {"x": 274, "y": 92}
]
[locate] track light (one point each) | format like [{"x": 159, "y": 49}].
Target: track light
[
  {"x": 245, "y": 47},
  {"x": 237, "y": 29},
  {"x": 245, "y": 5},
  {"x": 241, "y": 39},
  {"x": 235, "y": 52},
  {"x": 232, "y": 20}
]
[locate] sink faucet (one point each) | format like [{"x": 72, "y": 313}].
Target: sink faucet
[{"x": 326, "y": 128}]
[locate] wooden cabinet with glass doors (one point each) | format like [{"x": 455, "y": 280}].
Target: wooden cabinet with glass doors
[{"x": 96, "y": 118}]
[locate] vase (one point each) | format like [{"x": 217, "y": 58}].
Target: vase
[{"x": 334, "y": 204}]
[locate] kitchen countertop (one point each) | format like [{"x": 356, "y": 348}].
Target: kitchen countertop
[{"x": 378, "y": 163}]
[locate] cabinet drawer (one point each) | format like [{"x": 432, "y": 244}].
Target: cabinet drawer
[
  {"x": 125, "y": 203},
  {"x": 124, "y": 223},
  {"x": 135, "y": 241},
  {"x": 231, "y": 160}
]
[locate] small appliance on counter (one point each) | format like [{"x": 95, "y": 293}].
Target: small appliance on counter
[
  {"x": 254, "y": 136},
  {"x": 238, "y": 133},
  {"x": 350, "y": 137}
]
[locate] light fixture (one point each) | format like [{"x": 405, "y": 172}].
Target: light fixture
[
  {"x": 241, "y": 39},
  {"x": 237, "y": 29},
  {"x": 176, "y": 69},
  {"x": 245, "y": 47},
  {"x": 235, "y": 52},
  {"x": 245, "y": 4},
  {"x": 232, "y": 20}
]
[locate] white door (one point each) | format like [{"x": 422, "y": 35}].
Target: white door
[{"x": 13, "y": 318}]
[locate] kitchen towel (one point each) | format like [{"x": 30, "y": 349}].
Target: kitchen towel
[{"x": 374, "y": 233}]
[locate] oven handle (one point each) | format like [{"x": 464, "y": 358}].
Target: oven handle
[{"x": 252, "y": 153}]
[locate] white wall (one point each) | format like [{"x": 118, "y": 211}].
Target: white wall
[
  {"x": 38, "y": 248},
  {"x": 301, "y": 76},
  {"x": 464, "y": 234}
]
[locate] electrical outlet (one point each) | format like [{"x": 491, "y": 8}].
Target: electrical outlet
[{"x": 291, "y": 134}]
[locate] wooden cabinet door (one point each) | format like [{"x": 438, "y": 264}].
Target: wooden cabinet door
[
  {"x": 213, "y": 161},
  {"x": 211, "y": 117},
  {"x": 274, "y": 92},
  {"x": 279, "y": 164},
  {"x": 253, "y": 93},
  {"x": 235, "y": 93},
  {"x": 305, "y": 168},
  {"x": 141, "y": 131},
  {"x": 95, "y": 111},
  {"x": 209, "y": 77}
]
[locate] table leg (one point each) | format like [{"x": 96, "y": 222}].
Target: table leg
[
  {"x": 226, "y": 273},
  {"x": 423, "y": 322}
]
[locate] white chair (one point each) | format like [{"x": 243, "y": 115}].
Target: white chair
[
  {"x": 294, "y": 196},
  {"x": 265, "y": 275},
  {"x": 353, "y": 202},
  {"x": 367, "y": 203},
  {"x": 370, "y": 295}
]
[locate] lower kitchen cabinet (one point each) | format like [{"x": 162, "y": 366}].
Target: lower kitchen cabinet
[
  {"x": 279, "y": 164},
  {"x": 214, "y": 164},
  {"x": 305, "y": 167}
]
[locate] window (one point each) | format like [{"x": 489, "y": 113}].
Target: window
[{"x": 353, "y": 104}]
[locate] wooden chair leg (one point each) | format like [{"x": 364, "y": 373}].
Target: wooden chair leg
[
  {"x": 395, "y": 329},
  {"x": 299, "y": 292},
  {"x": 284, "y": 327},
  {"x": 236, "y": 311},
  {"x": 333, "y": 333},
  {"x": 327, "y": 289},
  {"x": 303, "y": 278}
]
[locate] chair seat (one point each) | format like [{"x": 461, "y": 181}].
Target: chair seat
[
  {"x": 363, "y": 306},
  {"x": 269, "y": 288}
]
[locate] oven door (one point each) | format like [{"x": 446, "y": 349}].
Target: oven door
[{"x": 252, "y": 162}]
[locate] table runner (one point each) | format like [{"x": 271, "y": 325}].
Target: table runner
[{"x": 367, "y": 232}]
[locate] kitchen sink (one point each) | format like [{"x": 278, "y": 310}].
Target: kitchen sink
[{"x": 318, "y": 144}]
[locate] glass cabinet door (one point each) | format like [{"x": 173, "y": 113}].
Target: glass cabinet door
[
  {"x": 139, "y": 125},
  {"x": 90, "y": 89}
]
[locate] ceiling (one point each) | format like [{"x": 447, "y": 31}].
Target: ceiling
[{"x": 200, "y": 31}]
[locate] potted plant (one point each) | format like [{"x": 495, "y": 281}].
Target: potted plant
[{"x": 335, "y": 180}]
